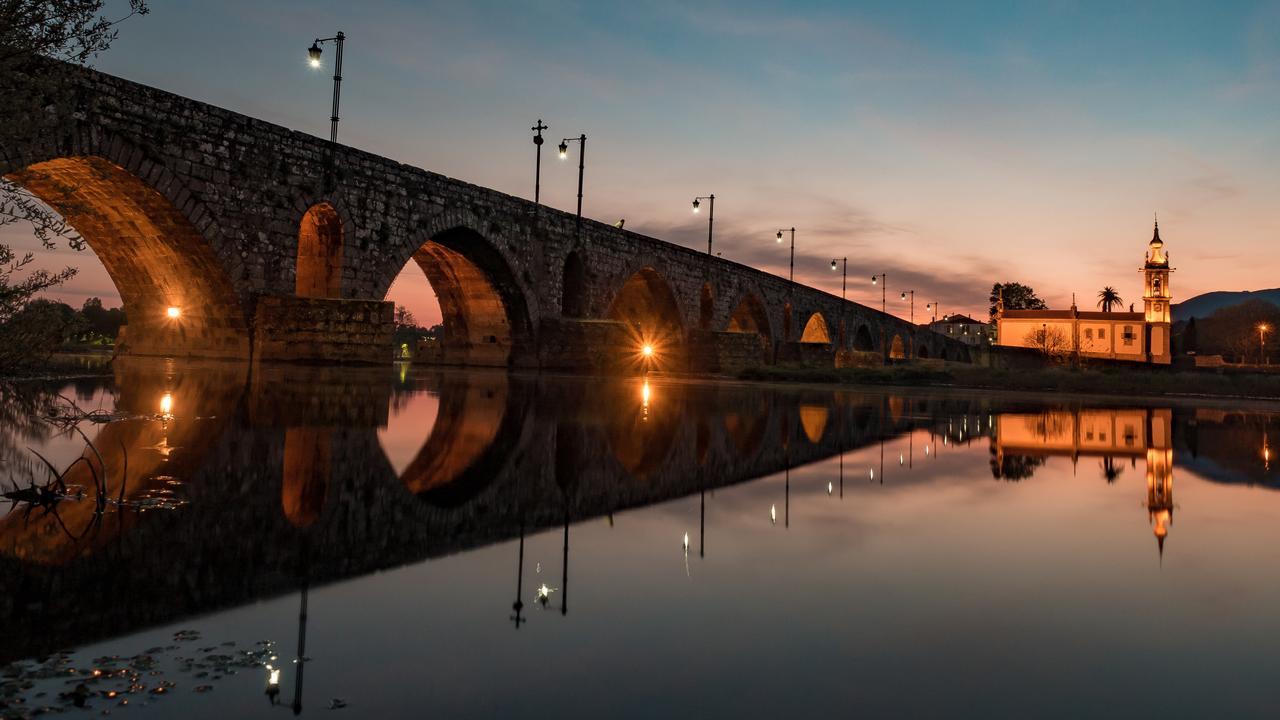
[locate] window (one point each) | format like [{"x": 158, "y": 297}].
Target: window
[
  {"x": 1128, "y": 335},
  {"x": 1088, "y": 333},
  {"x": 1102, "y": 333}
]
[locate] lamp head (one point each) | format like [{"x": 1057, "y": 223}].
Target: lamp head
[
  {"x": 173, "y": 312},
  {"x": 313, "y": 54},
  {"x": 564, "y": 149},
  {"x": 779, "y": 236},
  {"x": 833, "y": 264},
  {"x": 696, "y": 205},
  {"x": 875, "y": 279},
  {"x": 904, "y": 296}
]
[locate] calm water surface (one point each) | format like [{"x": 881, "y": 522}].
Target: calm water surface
[{"x": 483, "y": 545}]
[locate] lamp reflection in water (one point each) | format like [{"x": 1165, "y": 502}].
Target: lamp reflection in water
[{"x": 518, "y": 605}]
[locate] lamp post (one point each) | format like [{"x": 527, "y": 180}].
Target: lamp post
[
  {"x": 1262, "y": 330},
  {"x": 582, "y": 160},
  {"x": 844, "y": 279},
  {"x": 933, "y": 306},
  {"x": 313, "y": 54},
  {"x": 537, "y": 162},
  {"x": 791, "y": 274},
  {"x": 883, "y": 281},
  {"x": 711, "y": 214},
  {"x": 844, "y": 285},
  {"x": 912, "y": 293}
]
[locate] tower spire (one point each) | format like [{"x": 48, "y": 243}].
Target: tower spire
[{"x": 1156, "y": 235}]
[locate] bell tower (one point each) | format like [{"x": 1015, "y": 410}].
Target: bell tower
[{"x": 1156, "y": 298}]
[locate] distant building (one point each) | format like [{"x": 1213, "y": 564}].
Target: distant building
[
  {"x": 964, "y": 328},
  {"x": 1137, "y": 336}
]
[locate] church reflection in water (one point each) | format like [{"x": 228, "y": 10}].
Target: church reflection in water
[
  {"x": 1111, "y": 435},
  {"x": 268, "y": 480}
]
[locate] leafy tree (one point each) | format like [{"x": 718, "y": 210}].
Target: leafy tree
[
  {"x": 102, "y": 323},
  {"x": 41, "y": 43},
  {"x": 1109, "y": 298},
  {"x": 1016, "y": 297},
  {"x": 31, "y": 335}
]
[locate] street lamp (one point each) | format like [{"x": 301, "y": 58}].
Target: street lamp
[
  {"x": 933, "y": 306},
  {"x": 883, "y": 280},
  {"x": 1262, "y": 330},
  {"x": 582, "y": 160},
  {"x": 711, "y": 214},
  {"x": 912, "y": 293},
  {"x": 791, "y": 275},
  {"x": 844, "y": 278},
  {"x": 537, "y": 163},
  {"x": 313, "y": 55}
]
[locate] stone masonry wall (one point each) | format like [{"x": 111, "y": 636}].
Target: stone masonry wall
[
  {"x": 244, "y": 186},
  {"x": 322, "y": 330}
]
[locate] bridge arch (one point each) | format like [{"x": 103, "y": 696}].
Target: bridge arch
[
  {"x": 815, "y": 330},
  {"x": 923, "y": 352},
  {"x": 750, "y": 317},
  {"x": 178, "y": 294},
  {"x": 483, "y": 305},
  {"x": 862, "y": 339},
  {"x": 706, "y": 306},
  {"x": 319, "y": 261},
  {"x": 897, "y": 349},
  {"x": 573, "y": 286},
  {"x": 646, "y": 304}
]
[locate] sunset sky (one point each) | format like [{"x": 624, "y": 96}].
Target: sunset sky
[{"x": 950, "y": 145}]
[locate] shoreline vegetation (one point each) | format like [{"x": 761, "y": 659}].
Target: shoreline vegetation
[{"x": 1109, "y": 381}]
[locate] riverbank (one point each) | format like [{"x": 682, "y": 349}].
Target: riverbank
[
  {"x": 1109, "y": 381},
  {"x": 62, "y": 366}
]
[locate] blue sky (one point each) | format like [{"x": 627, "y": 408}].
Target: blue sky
[{"x": 949, "y": 144}]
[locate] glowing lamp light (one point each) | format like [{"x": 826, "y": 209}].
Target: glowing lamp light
[
  {"x": 871, "y": 473},
  {"x": 833, "y": 264},
  {"x": 166, "y": 404},
  {"x": 174, "y": 312},
  {"x": 773, "y": 514},
  {"x": 829, "y": 487},
  {"x": 875, "y": 279},
  {"x": 313, "y": 54},
  {"x": 564, "y": 150},
  {"x": 779, "y": 236},
  {"x": 647, "y": 350},
  {"x": 696, "y": 205},
  {"x": 686, "y": 542}
]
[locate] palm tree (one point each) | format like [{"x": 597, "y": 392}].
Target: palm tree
[{"x": 1108, "y": 298}]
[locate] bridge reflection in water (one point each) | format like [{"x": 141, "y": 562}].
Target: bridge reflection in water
[{"x": 296, "y": 476}]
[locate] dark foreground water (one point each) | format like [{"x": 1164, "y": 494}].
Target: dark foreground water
[{"x": 411, "y": 543}]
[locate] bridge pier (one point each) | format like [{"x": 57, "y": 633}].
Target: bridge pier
[{"x": 322, "y": 330}]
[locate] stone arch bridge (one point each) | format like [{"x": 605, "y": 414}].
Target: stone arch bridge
[{"x": 231, "y": 237}]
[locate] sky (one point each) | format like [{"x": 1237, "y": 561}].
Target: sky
[{"x": 949, "y": 145}]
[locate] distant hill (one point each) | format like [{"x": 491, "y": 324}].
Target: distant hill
[{"x": 1205, "y": 305}]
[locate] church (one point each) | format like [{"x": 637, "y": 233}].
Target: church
[{"x": 1134, "y": 336}]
